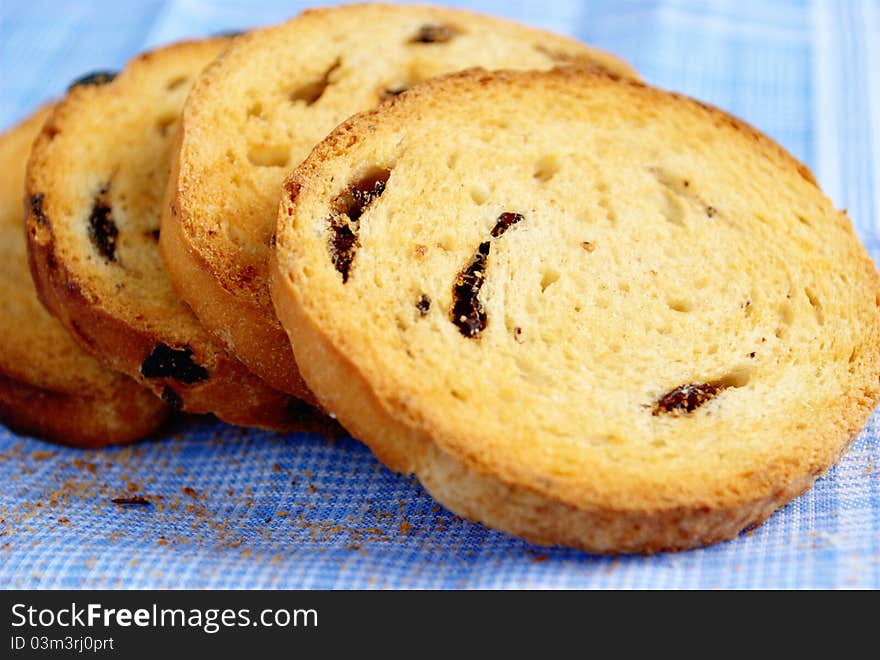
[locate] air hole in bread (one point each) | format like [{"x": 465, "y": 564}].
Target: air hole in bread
[
  {"x": 174, "y": 83},
  {"x": 452, "y": 160},
  {"x": 673, "y": 211},
  {"x": 345, "y": 214},
  {"x": 670, "y": 181},
  {"x": 255, "y": 109},
  {"x": 546, "y": 167},
  {"x": 165, "y": 122},
  {"x": 434, "y": 33},
  {"x": 804, "y": 221},
  {"x": 102, "y": 228},
  {"x": 269, "y": 155},
  {"x": 424, "y": 304},
  {"x": 816, "y": 305},
  {"x": 549, "y": 278},
  {"x": 680, "y": 305},
  {"x": 480, "y": 193},
  {"x": 310, "y": 92}
]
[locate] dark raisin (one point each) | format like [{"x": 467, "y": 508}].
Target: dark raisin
[
  {"x": 362, "y": 197},
  {"x": 434, "y": 34},
  {"x": 102, "y": 229},
  {"x": 686, "y": 398},
  {"x": 37, "y": 209},
  {"x": 424, "y": 304},
  {"x": 347, "y": 209},
  {"x": 154, "y": 235},
  {"x": 94, "y": 78},
  {"x": 517, "y": 334},
  {"x": 468, "y": 312},
  {"x": 505, "y": 222},
  {"x": 176, "y": 363},
  {"x": 342, "y": 245},
  {"x": 172, "y": 398},
  {"x": 273, "y": 240},
  {"x": 711, "y": 211}
]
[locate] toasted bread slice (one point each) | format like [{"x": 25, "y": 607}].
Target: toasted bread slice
[
  {"x": 95, "y": 183},
  {"x": 48, "y": 386},
  {"x": 258, "y": 111},
  {"x": 584, "y": 311}
]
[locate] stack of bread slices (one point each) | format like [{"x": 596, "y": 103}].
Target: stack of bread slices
[{"x": 580, "y": 309}]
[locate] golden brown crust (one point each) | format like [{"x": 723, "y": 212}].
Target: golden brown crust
[
  {"x": 742, "y": 457},
  {"x": 106, "y": 282},
  {"x": 48, "y": 386},
  {"x": 265, "y": 343},
  {"x": 232, "y": 392},
  {"x": 215, "y": 242},
  {"x": 126, "y": 415}
]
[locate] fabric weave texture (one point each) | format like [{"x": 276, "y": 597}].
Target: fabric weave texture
[{"x": 234, "y": 508}]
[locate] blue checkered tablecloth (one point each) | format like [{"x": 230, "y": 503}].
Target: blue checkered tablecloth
[{"x": 245, "y": 509}]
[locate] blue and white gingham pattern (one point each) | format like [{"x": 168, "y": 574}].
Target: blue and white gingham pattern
[{"x": 297, "y": 511}]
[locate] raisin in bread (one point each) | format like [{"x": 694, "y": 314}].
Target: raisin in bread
[
  {"x": 48, "y": 386},
  {"x": 258, "y": 111},
  {"x": 581, "y": 310},
  {"x": 96, "y": 179}
]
